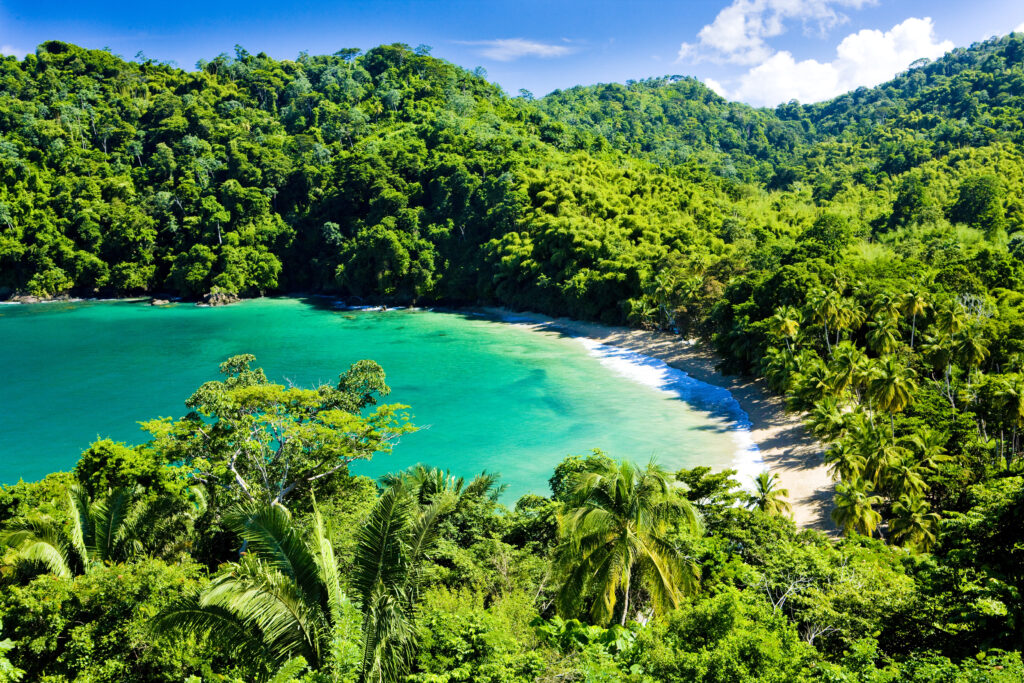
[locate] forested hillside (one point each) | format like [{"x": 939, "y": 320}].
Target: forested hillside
[{"x": 864, "y": 255}]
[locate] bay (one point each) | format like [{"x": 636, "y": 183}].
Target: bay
[{"x": 486, "y": 394}]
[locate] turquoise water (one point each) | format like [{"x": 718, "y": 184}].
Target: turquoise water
[{"x": 489, "y": 395}]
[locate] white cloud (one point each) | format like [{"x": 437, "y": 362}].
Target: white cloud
[
  {"x": 716, "y": 87},
  {"x": 1019, "y": 29},
  {"x": 738, "y": 33},
  {"x": 9, "y": 50},
  {"x": 510, "y": 49},
  {"x": 866, "y": 58}
]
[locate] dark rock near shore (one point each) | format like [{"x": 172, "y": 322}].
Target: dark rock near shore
[{"x": 218, "y": 299}]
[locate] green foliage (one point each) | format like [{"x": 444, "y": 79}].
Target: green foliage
[{"x": 864, "y": 255}]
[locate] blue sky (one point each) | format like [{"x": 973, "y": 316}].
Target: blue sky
[{"x": 759, "y": 51}]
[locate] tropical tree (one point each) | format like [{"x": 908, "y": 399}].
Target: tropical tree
[
  {"x": 1010, "y": 396},
  {"x": 891, "y": 388},
  {"x": 265, "y": 442},
  {"x": 844, "y": 460},
  {"x": 785, "y": 324},
  {"x": 849, "y": 367},
  {"x": 883, "y": 334},
  {"x": 913, "y": 303},
  {"x": 824, "y": 306},
  {"x": 282, "y": 599},
  {"x": 929, "y": 446},
  {"x": 854, "y": 509},
  {"x": 904, "y": 478},
  {"x": 769, "y": 497},
  {"x": 826, "y": 418},
  {"x": 617, "y": 526},
  {"x": 391, "y": 547},
  {"x": 107, "y": 529},
  {"x": 913, "y": 524}
]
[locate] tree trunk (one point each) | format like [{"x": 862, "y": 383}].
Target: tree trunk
[{"x": 625, "y": 601}]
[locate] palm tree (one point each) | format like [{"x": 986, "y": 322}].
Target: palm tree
[
  {"x": 844, "y": 461},
  {"x": 785, "y": 324},
  {"x": 283, "y": 598},
  {"x": 768, "y": 497},
  {"x": 929, "y": 445},
  {"x": 884, "y": 306},
  {"x": 948, "y": 318},
  {"x": 891, "y": 388},
  {"x": 824, "y": 307},
  {"x": 913, "y": 523},
  {"x": 848, "y": 366},
  {"x": 903, "y": 478},
  {"x": 826, "y": 418},
  {"x": 812, "y": 385},
  {"x": 425, "y": 484},
  {"x": 1010, "y": 396},
  {"x": 970, "y": 347},
  {"x": 881, "y": 456},
  {"x": 616, "y": 526},
  {"x": 913, "y": 303},
  {"x": 855, "y": 508},
  {"x": 392, "y": 546},
  {"x": 107, "y": 529},
  {"x": 883, "y": 335}
]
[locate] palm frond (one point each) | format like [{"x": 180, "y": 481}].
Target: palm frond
[
  {"x": 379, "y": 556},
  {"x": 270, "y": 535}
]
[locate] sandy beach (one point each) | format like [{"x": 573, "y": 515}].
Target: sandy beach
[{"x": 784, "y": 444}]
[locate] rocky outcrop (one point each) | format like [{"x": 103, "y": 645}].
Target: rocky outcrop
[{"x": 218, "y": 299}]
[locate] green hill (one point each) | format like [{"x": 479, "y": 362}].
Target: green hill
[{"x": 865, "y": 256}]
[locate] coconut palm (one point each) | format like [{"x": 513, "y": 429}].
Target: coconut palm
[
  {"x": 785, "y": 324},
  {"x": 425, "y": 484},
  {"x": 844, "y": 461},
  {"x": 107, "y": 529},
  {"x": 848, "y": 366},
  {"x": 949, "y": 318},
  {"x": 970, "y": 347},
  {"x": 913, "y": 303},
  {"x": 913, "y": 523},
  {"x": 812, "y": 385},
  {"x": 885, "y": 306},
  {"x": 824, "y": 307},
  {"x": 768, "y": 497},
  {"x": 929, "y": 446},
  {"x": 904, "y": 478},
  {"x": 825, "y": 419},
  {"x": 392, "y": 546},
  {"x": 883, "y": 334},
  {"x": 881, "y": 456},
  {"x": 780, "y": 367},
  {"x": 891, "y": 388},
  {"x": 617, "y": 527},
  {"x": 854, "y": 509},
  {"x": 1010, "y": 396}
]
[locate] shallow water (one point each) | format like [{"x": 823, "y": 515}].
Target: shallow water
[{"x": 488, "y": 395}]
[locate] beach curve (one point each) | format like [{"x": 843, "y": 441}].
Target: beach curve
[{"x": 780, "y": 441}]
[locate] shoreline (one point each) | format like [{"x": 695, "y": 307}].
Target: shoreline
[{"x": 783, "y": 443}]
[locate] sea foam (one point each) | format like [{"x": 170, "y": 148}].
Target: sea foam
[{"x": 717, "y": 401}]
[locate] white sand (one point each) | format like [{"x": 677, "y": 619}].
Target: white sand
[{"x": 783, "y": 445}]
